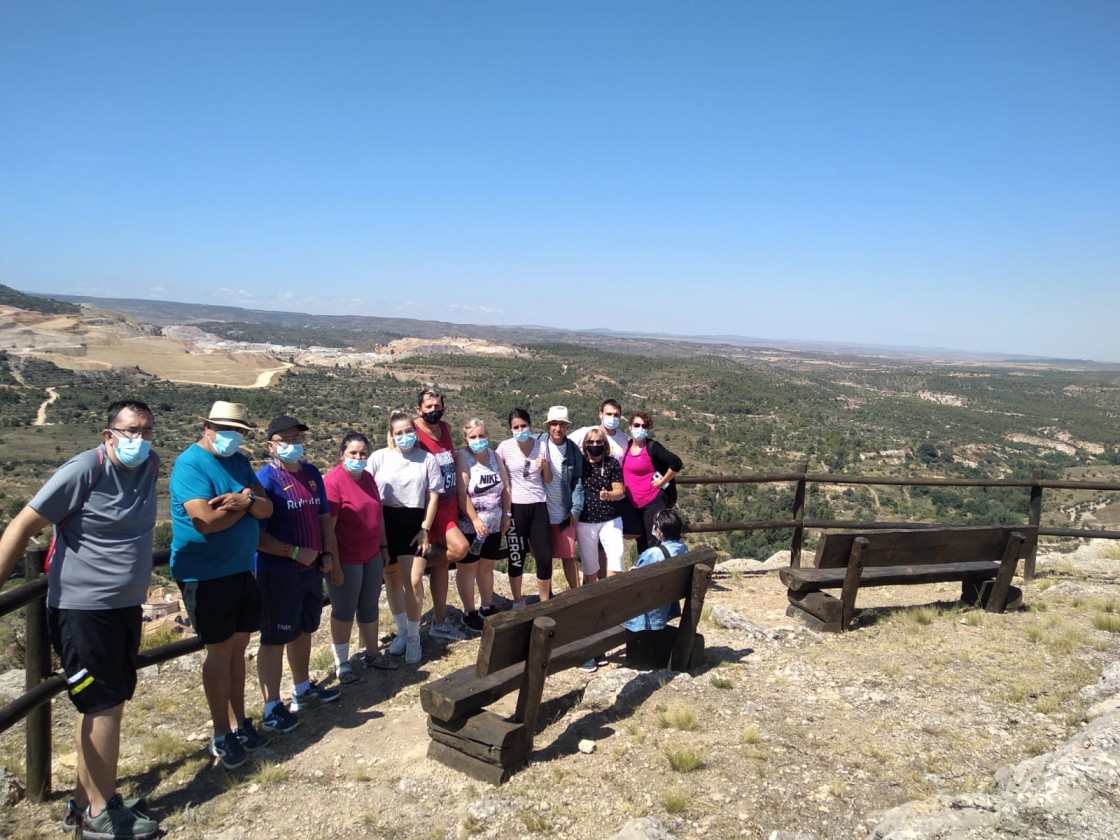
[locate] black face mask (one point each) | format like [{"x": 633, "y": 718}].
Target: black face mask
[
  {"x": 596, "y": 449},
  {"x": 432, "y": 417}
]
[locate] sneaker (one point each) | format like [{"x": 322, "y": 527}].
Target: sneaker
[
  {"x": 473, "y": 621},
  {"x": 72, "y": 815},
  {"x": 486, "y": 612},
  {"x": 279, "y": 719},
  {"x": 397, "y": 646},
  {"x": 590, "y": 666},
  {"x": 249, "y": 737},
  {"x": 314, "y": 696},
  {"x": 518, "y": 604},
  {"x": 228, "y": 750},
  {"x": 446, "y": 631},
  {"x": 413, "y": 653},
  {"x": 117, "y": 822}
]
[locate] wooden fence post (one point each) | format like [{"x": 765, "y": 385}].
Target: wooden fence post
[
  {"x": 799, "y": 515},
  {"x": 1034, "y": 517},
  {"x": 38, "y": 656}
]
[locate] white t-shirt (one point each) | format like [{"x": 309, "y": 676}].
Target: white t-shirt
[
  {"x": 404, "y": 479},
  {"x": 616, "y": 440}
]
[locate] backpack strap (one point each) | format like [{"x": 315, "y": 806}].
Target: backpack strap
[
  {"x": 85, "y": 498},
  {"x": 664, "y": 550}
]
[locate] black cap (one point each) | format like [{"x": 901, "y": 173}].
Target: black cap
[{"x": 282, "y": 424}]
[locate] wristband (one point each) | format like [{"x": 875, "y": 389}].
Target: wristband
[{"x": 295, "y": 551}]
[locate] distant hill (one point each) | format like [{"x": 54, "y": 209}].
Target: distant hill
[{"x": 34, "y": 303}]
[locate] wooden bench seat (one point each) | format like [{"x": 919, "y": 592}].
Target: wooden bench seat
[
  {"x": 973, "y": 555},
  {"x": 521, "y": 647}
]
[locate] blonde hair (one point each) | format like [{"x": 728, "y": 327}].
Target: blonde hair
[
  {"x": 395, "y": 417},
  {"x": 470, "y": 424},
  {"x": 593, "y": 434}
]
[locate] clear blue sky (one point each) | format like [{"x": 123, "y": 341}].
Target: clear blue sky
[{"x": 941, "y": 174}]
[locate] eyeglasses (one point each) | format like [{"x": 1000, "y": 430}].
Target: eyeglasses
[
  {"x": 525, "y": 471},
  {"x": 289, "y": 439},
  {"x": 133, "y": 434},
  {"x": 637, "y": 425}
]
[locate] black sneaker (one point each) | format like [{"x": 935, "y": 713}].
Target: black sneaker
[
  {"x": 473, "y": 621},
  {"x": 314, "y": 695},
  {"x": 72, "y": 814},
  {"x": 486, "y": 612},
  {"x": 279, "y": 719},
  {"x": 249, "y": 737},
  {"x": 228, "y": 750},
  {"x": 117, "y": 822}
]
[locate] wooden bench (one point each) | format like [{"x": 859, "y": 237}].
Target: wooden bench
[
  {"x": 982, "y": 558},
  {"x": 521, "y": 647}
]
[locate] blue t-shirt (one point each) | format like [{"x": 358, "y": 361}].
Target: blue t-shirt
[
  {"x": 658, "y": 617},
  {"x": 298, "y": 500},
  {"x": 199, "y": 474}
]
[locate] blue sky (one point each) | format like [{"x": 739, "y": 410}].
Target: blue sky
[{"x": 942, "y": 174}]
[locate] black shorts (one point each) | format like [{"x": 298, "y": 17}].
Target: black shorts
[
  {"x": 98, "y": 649},
  {"x": 221, "y": 607},
  {"x": 291, "y": 603},
  {"x": 401, "y": 526},
  {"x": 491, "y": 549}
]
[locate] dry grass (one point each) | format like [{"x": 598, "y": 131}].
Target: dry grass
[
  {"x": 676, "y": 717},
  {"x": 684, "y": 758}
]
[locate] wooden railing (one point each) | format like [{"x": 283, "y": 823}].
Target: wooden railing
[{"x": 42, "y": 684}]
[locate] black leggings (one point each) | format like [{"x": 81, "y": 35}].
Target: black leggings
[
  {"x": 530, "y": 532},
  {"x": 646, "y": 538}
]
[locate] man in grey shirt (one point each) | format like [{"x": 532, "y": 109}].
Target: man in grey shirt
[{"x": 102, "y": 503}]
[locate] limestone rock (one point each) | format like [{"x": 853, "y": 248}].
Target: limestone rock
[
  {"x": 587, "y": 746},
  {"x": 11, "y": 788},
  {"x": 728, "y": 619},
  {"x": 643, "y": 828}
]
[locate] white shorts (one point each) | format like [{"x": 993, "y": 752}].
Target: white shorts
[{"x": 590, "y": 535}]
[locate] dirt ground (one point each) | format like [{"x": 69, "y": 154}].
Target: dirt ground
[{"x": 782, "y": 728}]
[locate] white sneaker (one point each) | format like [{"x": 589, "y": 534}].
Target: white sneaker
[
  {"x": 397, "y": 646},
  {"x": 412, "y": 653},
  {"x": 446, "y": 631}
]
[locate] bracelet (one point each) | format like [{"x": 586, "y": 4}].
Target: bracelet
[
  {"x": 425, "y": 528},
  {"x": 295, "y": 551}
]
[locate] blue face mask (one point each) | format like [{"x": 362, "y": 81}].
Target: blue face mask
[
  {"x": 226, "y": 443},
  {"x": 610, "y": 422},
  {"x": 355, "y": 464},
  {"x": 289, "y": 453},
  {"x": 522, "y": 435},
  {"x": 133, "y": 453},
  {"x": 406, "y": 441},
  {"x": 479, "y": 444},
  {"x": 638, "y": 433}
]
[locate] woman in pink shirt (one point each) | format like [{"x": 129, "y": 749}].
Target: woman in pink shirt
[
  {"x": 648, "y": 470},
  {"x": 358, "y": 526}
]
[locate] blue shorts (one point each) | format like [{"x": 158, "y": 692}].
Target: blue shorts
[{"x": 291, "y": 603}]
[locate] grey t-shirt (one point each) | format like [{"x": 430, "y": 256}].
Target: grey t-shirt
[
  {"x": 103, "y": 517},
  {"x": 404, "y": 479}
]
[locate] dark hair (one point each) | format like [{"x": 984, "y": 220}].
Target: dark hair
[
  {"x": 520, "y": 414},
  {"x": 133, "y": 405},
  {"x": 614, "y": 403},
  {"x": 669, "y": 523},
  {"x": 645, "y": 418},
  {"x": 350, "y": 437},
  {"x": 429, "y": 392}
]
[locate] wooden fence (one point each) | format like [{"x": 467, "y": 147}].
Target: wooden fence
[{"x": 42, "y": 683}]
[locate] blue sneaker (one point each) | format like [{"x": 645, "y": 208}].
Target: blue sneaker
[
  {"x": 279, "y": 719},
  {"x": 314, "y": 696},
  {"x": 249, "y": 737},
  {"x": 228, "y": 750}
]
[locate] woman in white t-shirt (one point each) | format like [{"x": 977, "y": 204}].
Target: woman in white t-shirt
[
  {"x": 409, "y": 482},
  {"x": 528, "y": 470}
]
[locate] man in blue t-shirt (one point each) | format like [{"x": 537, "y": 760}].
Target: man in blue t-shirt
[
  {"x": 102, "y": 503},
  {"x": 216, "y": 505}
]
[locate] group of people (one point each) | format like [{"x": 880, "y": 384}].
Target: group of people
[{"x": 250, "y": 551}]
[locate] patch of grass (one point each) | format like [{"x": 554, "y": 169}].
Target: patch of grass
[
  {"x": 370, "y": 819},
  {"x": 1049, "y": 703},
  {"x": 471, "y": 825},
  {"x": 677, "y": 717},
  {"x": 719, "y": 681},
  {"x": 1067, "y": 641},
  {"x": 1021, "y": 690},
  {"x": 836, "y": 788},
  {"x": 270, "y": 773},
  {"x": 361, "y": 774},
  {"x": 636, "y": 732},
  {"x": 976, "y": 618},
  {"x": 322, "y": 659},
  {"x": 706, "y": 614},
  {"x": 162, "y": 747},
  {"x": 751, "y": 734},
  {"x": 1107, "y": 621},
  {"x": 161, "y": 637},
  {"x": 535, "y": 822},
  {"x": 675, "y": 801},
  {"x": 684, "y": 758},
  {"x": 1036, "y": 746},
  {"x": 1035, "y": 634}
]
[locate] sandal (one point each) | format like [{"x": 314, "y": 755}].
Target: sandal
[
  {"x": 346, "y": 676},
  {"x": 381, "y": 663}
]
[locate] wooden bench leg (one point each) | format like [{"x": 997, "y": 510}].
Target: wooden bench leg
[
  {"x": 684, "y": 653},
  {"x": 536, "y": 669},
  {"x": 851, "y": 583},
  {"x": 1000, "y": 589}
]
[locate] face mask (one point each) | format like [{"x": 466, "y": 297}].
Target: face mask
[
  {"x": 226, "y": 443},
  {"x": 479, "y": 444},
  {"x": 610, "y": 422},
  {"x": 522, "y": 436},
  {"x": 638, "y": 432},
  {"x": 432, "y": 417},
  {"x": 133, "y": 453},
  {"x": 596, "y": 449},
  {"x": 289, "y": 453},
  {"x": 406, "y": 441},
  {"x": 355, "y": 464}
]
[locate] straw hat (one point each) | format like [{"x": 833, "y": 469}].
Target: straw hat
[
  {"x": 231, "y": 414},
  {"x": 558, "y": 414}
]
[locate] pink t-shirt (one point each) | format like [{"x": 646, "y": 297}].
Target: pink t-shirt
[
  {"x": 637, "y": 477},
  {"x": 357, "y": 508}
]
